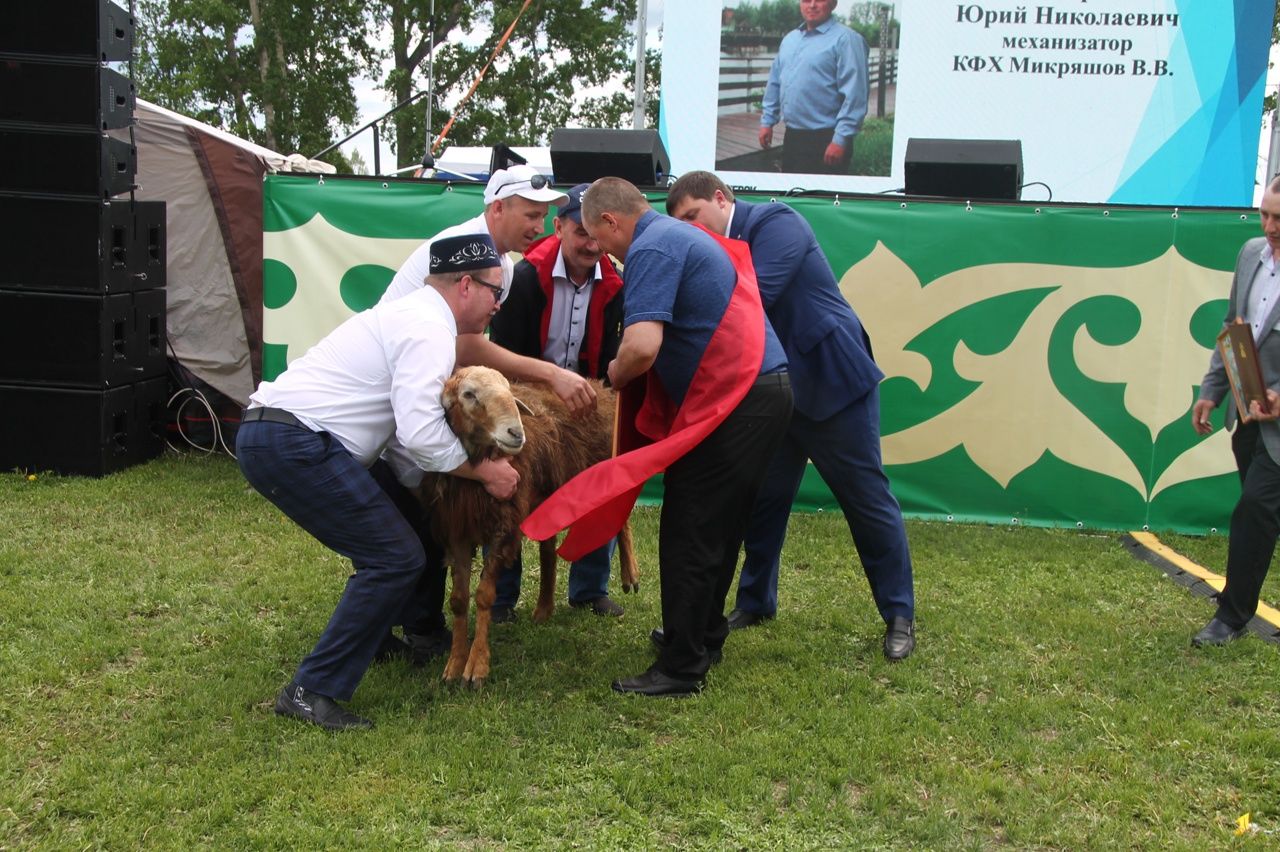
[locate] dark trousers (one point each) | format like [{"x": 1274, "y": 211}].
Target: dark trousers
[
  {"x": 423, "y": 613},
  {"x": 1255, "y": 525},
  {"x": 706, "y": 501},
  {"x": 803, "y": 152},
  {"x": 588, "y": 578},
  {"x": 312, "y": 478},
  {"x": 845, "y": 449}
]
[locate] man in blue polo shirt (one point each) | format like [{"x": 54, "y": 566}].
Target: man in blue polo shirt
[
  {"x": 818, "y": 87},
  {"x": 679, "y": 288}
]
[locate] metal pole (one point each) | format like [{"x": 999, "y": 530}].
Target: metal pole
[
  {"x": 642, "y": 14},
  {"x": 1273, "y": 156},
  {"x": 431, "y": 92},
  {"x": 884, "y": 61}
]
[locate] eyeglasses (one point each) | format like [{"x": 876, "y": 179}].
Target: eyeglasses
[
  {"x": 538, "y": 181},
  {"x": 496, "y": 288}
]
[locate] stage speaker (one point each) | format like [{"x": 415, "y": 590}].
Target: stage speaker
[
  {"x": 965, "y": 168},
  {"x": 63, "y": 94},
  {"x": 582, "y": 155},
  {"x": 502, "y": 157},
  {"x": 69, "y": 340},
  {"x": 81, "y": 432},
  {"x": 84, "y": 30},
  {"x": 150, "y": 256},
  {"x": 64, "y": 162},
  {"x": 81, "y": 245}
]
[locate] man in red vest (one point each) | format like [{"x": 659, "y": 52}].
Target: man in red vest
[{"x": 565, "y": 306}]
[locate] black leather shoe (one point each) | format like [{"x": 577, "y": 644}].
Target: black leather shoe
[
  {"x": 299, "y": 703},
  {"x": 393, "y": 648},
  {"x": 425, "y": 647},
  {"x": 659, "y": 641},
  {"x": 1217, "y": 633},
  {"x": 740, "y": 618},
  {"x": 655, "y": 683},
  {"x": 602, "y": 605},
  {"x": 899, "y": 639},
  {"x": 501, "y": 614}
]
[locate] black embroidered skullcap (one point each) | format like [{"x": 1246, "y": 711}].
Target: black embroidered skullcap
[{"x": 462, "y": 254}]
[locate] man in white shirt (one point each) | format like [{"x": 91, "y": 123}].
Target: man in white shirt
[{"x": 308, "y": 438}]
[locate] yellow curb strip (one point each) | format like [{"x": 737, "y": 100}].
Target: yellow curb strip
[{"x": 1150, "y": 542}]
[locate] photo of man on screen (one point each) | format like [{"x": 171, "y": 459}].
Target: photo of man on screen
[{"x": 803, "y": 115}]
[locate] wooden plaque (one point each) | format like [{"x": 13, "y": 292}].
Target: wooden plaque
[{"x": 1244, "y": 372}]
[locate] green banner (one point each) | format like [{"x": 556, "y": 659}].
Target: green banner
[{"x": 1041, "y": 362}]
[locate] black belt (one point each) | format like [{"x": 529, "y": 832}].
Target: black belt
[
  {"x": 779, "y": 378},
  {"x": 272, "y": 415}
]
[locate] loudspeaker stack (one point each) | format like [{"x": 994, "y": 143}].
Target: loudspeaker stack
[{"x": 83, "y": 380}]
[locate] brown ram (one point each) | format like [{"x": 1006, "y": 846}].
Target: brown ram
[{"x": 548, "y": 447}]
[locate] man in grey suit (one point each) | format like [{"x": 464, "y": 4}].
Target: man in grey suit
[{"x": 1255, "y": 522}]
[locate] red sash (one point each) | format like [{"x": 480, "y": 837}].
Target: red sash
[{"x": 652, "y": 434}]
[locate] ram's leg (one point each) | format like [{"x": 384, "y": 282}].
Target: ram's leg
[
  {"x": 478, "y": 660},
  {"x": 547, "y": 581},
  {"x": 459, "y": 561},
  {"x": 627, "y": 560}
]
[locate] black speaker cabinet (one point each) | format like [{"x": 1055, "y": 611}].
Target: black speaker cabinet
[
  {"x": 64, "y": 162},
  {"x": 84, "y": 30},
  {"x": 61, "y": 339},
  {"x": 81, "y": 432},
  {"x": 582, "y": 155},
  {"x": 81, "y": 245},
  {"x": 63, "y": 94},
  {"x": 150, "y": 256},
  {"x": 965, "y": 168}
]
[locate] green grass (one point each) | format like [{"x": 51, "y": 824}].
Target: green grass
[
  {"x": 148, "y": 619},
  {"x": 873, "y": 147}
]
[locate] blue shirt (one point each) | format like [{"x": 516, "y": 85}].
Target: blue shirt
[
  {"x": 819, "y": 80},
  {"x": 678, "y": 275}
]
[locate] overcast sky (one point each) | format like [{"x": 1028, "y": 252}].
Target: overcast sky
[{"x": 373, "y": 101}]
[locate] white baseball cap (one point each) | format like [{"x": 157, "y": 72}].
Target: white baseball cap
[{"x": 524, "y": 181}]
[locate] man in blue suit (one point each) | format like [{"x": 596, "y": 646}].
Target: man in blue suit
[{"x": 836, "y": 422}]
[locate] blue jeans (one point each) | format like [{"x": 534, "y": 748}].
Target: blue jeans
[
  {"x": 588, "y": 578},
  {"x": 312, "y": 478}
]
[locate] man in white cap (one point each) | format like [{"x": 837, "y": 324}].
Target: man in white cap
[{"x": 516, "y": 202}]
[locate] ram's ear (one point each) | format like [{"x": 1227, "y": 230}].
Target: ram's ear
[
  {"x": 449, "y": 396},
  {"x": 523, "y": 406}
]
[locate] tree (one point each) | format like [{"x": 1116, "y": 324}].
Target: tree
[
  {"x": 567, "y": 62},
  {"x": 278, "y": 73}
]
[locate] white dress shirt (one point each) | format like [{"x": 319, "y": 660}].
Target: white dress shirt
[
  {"x": 412, "y": 274},
  {"x": 380, "y": 373},
  {"x": 1263, "y": 292}
]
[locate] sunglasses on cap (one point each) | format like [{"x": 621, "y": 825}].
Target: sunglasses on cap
[{"x": 538, "y": 181}]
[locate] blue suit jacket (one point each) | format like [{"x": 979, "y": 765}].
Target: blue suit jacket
[{"x": 828, "y": 352}]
